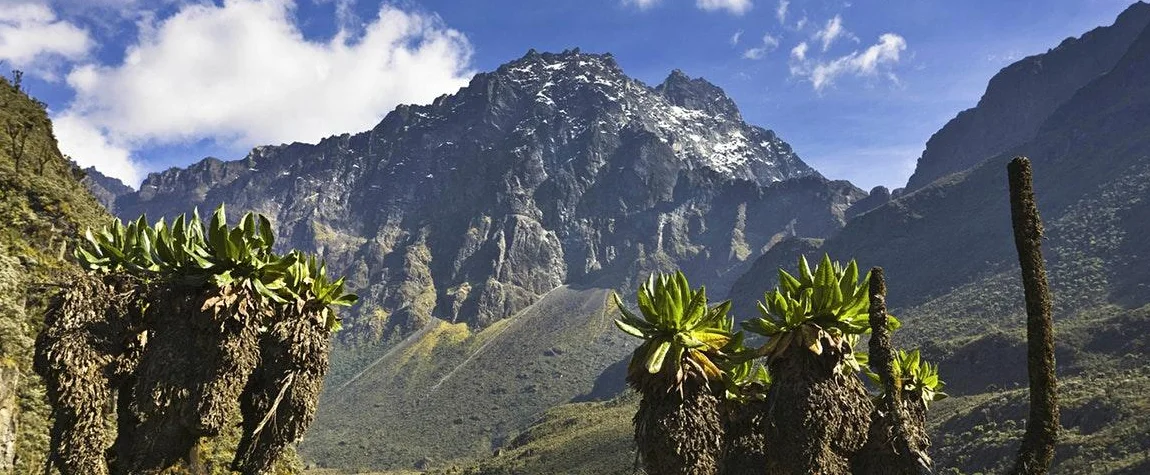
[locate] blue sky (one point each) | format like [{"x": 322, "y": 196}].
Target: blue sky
[{"x": 857, "y": 87}]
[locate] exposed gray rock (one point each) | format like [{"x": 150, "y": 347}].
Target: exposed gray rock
[
  {"x": 555, "y": 168},
  {"x": 1023, "y": 95},
  {"x": 14, "y": 345},
  {"x": 105, "y": 188}
]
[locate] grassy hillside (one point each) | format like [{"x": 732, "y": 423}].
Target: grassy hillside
[
  {"x": 977, "y": 430},
  {"x": 43, "y": 208},
  {"x": 423, "y": 392}
]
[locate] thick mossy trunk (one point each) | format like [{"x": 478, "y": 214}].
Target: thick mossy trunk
[
  {"x": 1037, "y": 451},
  {"x": 677, "y": 432},
  {"x": 883, "y": 453},
  {"x": 746, "y": 438},
  {"x": 819, "y": 418},
  {"x": 281, "y": 397},
  {"x": 89, "y": 329},
  {"x": 165, "y": 381},
  {"x": 195, "y": 367}
]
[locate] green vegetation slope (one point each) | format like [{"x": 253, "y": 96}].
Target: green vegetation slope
[{"x": 43, "y": 208}]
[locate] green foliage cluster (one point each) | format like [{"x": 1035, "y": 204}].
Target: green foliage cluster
[
  {"x": 812, "y": 323},
  {"x": 917, "y": 376},
  {"x": 677, "y": 321},
  {"x": 746, "y": 381},
  {"x": 189, "y": 251},
  {"x": 829, "y": 303}
]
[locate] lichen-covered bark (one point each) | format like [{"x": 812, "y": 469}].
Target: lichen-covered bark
[
  {"x": 88, "y": 329},
  {"x": 891, "y": 452},
  {"x": 281, "y": 398},
  {"x": 677, "y": 432},
  {"x": 138, "y": 374},
  {"x": 195, "y": 368},
  {"x": 819, "y": 418},
  {"x": 1037, "y": 451},
  {"x": 746, "y": 451},
  {"x": 896, "y": 441}
]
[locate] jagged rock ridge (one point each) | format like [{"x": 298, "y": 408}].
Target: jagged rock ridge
[
  {"x": 1020, "y": 98},
  {"x": 555, "y": 168},
  {"x": 105, "y": 188}
]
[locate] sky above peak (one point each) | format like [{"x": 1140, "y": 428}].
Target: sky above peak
[{"x": 137, "y": 86}]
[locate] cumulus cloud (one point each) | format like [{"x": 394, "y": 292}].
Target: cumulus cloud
[
  {"x": 832, "y": 31},
  {"x": 736, "y": 37},
  {"x": 770, "y": 43},
  {"x": 869, "y": 62},
  {"x": 32, "y": 38},
  {"x": 90, "y": 148},
  {"x": 781, "y": 11},
  {"x": 243, "y": 74},
  {"x": 737, "y": 7}
]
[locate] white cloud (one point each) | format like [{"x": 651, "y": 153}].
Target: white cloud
[
  {"x": 770, "y": 43},
  {"x": 641, "y": 4},
  {"x": 802, "y": 23},
  {"x": 869, "y": 62},
  {"x": 799, "y": 52},
  {"x": 34, "y": 39},
  {"x": 89, "y": 147},
  {"x": 737, "y": 7},
  {"x": 242, "y": 74},
  {"x": 831, "y": 32},
  {"x": 781, "y": 11},
  {"x": 736, "y": 37}
]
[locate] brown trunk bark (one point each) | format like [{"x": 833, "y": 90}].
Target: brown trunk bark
[
  {"x": 890, "y": 448},
  {"x": 1037, "y": 451}
]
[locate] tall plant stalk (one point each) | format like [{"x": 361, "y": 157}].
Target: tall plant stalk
[
  {"x": 1037, "y": 451},
  {"x": 890, "y": 448}
]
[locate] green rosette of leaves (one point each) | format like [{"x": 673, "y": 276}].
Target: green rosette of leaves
[
  {"x": 190, "y": 252},
  {"x": 678, "y": 328},
  {"x": 827, "y": 304}
]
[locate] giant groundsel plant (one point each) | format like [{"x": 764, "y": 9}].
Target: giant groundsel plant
[{"x": 175, "y": 327}]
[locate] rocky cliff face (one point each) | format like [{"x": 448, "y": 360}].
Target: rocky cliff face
[
  {"x": 9, "y": 416},
  {"x": 947, "y": 247},
  {"x": 1020, "y": 98},
  {"x": 105, "y": 188},
  {"x": 555, "y": 168}
]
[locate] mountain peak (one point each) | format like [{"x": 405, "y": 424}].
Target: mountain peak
[
  {"x": 698, "y": 93},
  {"x": 535, "y": 65}
]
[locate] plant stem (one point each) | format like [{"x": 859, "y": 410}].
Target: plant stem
[
  {"x": 881, "y": 351},
  {"x": 1037, "y": 451}
]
